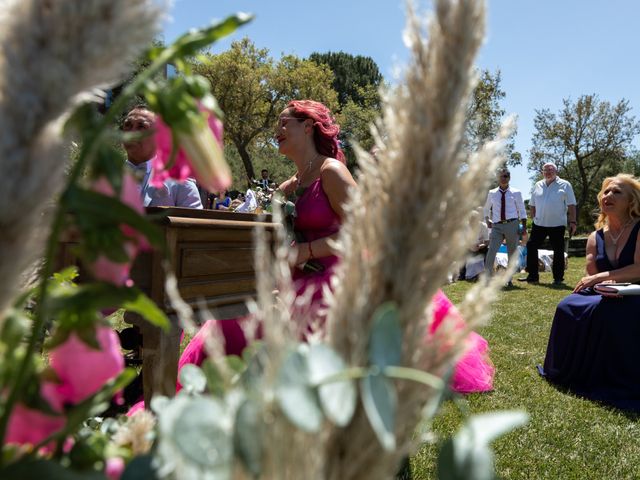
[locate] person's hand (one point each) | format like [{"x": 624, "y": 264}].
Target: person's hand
[
  {"x": 489, "y": 224},
  {"x": 586, "y": 282},
  {"x": 572, "y": 228}
]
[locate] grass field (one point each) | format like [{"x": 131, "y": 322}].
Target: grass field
[{"x": 567, "y": 437}]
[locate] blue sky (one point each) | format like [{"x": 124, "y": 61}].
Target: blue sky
[{"x": 547, "y": 50}]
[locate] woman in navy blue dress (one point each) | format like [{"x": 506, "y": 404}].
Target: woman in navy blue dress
[{"x": 593, "y": 345}]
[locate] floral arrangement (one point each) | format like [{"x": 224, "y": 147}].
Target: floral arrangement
[{"x": 343, "y": 406}]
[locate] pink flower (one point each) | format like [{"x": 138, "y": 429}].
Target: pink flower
[
  {"x": 83, "y": 370},
  {"x": 30, "y": 426},
  {"x": 113, "y": 272},
  {"x": 199, "y": 154},
  {"x": 104, "y": 268},
  {"x": 114, "y": 468}
]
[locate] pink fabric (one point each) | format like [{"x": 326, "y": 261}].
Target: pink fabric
[{"x": 474, "y": 371}]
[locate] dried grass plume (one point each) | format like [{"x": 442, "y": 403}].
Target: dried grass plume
[{"x": 52, "y": 54}]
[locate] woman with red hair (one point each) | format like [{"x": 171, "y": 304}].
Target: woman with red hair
[{"x": 308, "y": 135}]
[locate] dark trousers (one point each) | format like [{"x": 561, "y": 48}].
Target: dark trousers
[{"x": 556, "y": 238}]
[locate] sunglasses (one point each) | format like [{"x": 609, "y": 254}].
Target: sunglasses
[
  {"x": 282, "y": 121},
  {"x": 130, "y": 125}
]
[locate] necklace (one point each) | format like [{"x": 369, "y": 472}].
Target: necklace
[
  {"x": 300, "y": 176},
  {"x": 617, "y": 237}
]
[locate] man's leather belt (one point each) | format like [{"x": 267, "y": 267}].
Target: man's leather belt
[{"x": 509, "y": 220}]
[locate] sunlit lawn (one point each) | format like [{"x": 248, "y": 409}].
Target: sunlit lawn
[{"x": 566, "y": 437}]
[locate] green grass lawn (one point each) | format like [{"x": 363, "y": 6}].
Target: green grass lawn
[{"x": 567, "y": 437}]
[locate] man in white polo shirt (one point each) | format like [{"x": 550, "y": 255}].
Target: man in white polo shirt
[
  {"x": 503, "y": 210},
  {"x": 551, "y": 199}
]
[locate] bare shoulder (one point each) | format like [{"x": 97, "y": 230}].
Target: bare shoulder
[
  {"x": 333, "y": 170},
  {"x": 288, "y": 186}
]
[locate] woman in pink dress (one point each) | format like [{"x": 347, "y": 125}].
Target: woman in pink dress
[{"x": 307, "y": 134}]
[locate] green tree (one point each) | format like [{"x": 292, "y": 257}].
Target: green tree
[
  {"x": 485, "y": 114},
  {"x": 357, "y": 80},
  {"x": 353, "y": 75},
  {"x": 588, "y": 140},
  {"x": 252, "y": 89}
]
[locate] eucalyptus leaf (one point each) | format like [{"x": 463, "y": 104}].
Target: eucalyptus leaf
[
  {"x": 338, "y": 398},
  {"x": 385, "y": 343},
  {"x": 159, "y": 403},
  {"x": 295, "y": 395},
  {"x": 253, "y": 375},
  {"x": 235, "y": 363},
  {"x": 215, "y": 381},
  {"x": 441, "y": 395},
  {"x": 201, "y": 434},
  {"x": 380, "y": 403},
  {"x": 468, "y": 455},
  {"x": 248, "y": 437},
  {"x": 192, "y": 378}
]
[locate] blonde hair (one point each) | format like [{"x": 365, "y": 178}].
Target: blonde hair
[{"x": 633, "y": 189}]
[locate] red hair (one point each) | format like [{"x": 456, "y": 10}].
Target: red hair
[{"x": 325, "y": 129}]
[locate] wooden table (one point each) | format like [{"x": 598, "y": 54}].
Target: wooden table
[{"x": 212, "y": 257}]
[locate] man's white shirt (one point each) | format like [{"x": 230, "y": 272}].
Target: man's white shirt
[{"x": 514, "y": 205}]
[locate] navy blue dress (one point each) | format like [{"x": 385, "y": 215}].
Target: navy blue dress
[{"x": 593, "y": 345}]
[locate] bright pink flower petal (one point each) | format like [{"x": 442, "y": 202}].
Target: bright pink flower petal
[
  {"x": 113, "y": 272},
  {"x": 200, "y": 154},
  {"x": 216, "y": 127},
  {"x": 29, "y": 426},
  {"x": 181, "y": 168},
  {"x": 81, "y": 369},
  {"x": 130, "y": 194},
  {"x": 114, "y": 468}
]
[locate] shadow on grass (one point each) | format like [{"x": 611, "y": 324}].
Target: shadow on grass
[{"x": 629, "y": 413}]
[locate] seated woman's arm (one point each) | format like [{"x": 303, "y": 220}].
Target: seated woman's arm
[{"x": 630, "y": 273}]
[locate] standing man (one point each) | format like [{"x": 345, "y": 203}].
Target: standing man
[
  {"x": 264, "y": 181},
  {"x": 503, "y": 210},
  {"x": 140, "y": 152},
  {"x": 551, "y": 199}
]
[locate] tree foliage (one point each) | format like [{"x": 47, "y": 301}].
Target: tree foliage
[
  {"x": 485, "y": 114},
  {"x": 353, "y": 75},
  {"x": 252, "y": 89},
  {"x": 357, "y": 80},
  {"x": 588, "y": 140}
]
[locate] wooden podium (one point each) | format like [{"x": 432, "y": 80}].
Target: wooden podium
[{"x": 211, "y": 253}]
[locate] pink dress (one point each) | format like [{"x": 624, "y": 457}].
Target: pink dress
[{"x": 316, "y": 219}]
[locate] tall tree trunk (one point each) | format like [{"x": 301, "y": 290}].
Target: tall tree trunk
[{"x": 246, "y": 160}]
